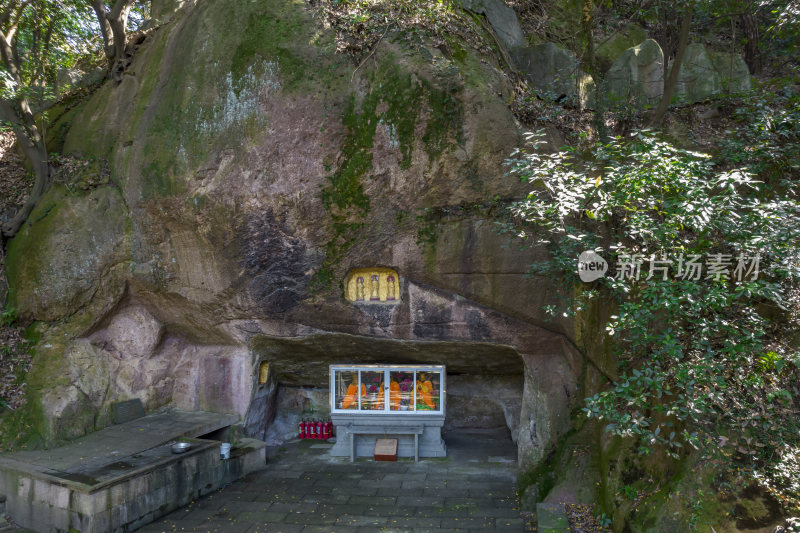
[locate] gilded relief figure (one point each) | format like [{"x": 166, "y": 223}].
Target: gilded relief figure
[
  {"x": 374, "y": 284},
  {"x": 361, "y": 291},
  {"x": 391, "y": 290}
]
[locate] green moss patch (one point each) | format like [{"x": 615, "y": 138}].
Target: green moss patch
[
  {"x": 398, "y": 102},
  {"x": 25, "y": 427},
  {"x": 272, "y": 37}
]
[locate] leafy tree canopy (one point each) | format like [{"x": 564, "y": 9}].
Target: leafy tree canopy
[{"x": 703, "y": 283}]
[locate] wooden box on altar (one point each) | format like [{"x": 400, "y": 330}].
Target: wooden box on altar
[{"x": 386, "y": 450}]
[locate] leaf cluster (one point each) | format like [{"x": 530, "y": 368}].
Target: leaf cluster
[
  {"x": 703, "y": 357},
  {"x": 48, "y": 36}
]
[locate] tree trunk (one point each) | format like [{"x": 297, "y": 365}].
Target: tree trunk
[
  {"x": 23, "y": 121},
  {"x": 672, "y": 80},
  {"x": 105, "y": 29},
  {"x": 751, "y": 54},
  {"x": 590, "y": 65},
  {"x": 117, "y": 20},
  {"x": 34, "y": 148}
]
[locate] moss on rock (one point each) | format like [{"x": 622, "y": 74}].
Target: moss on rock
[{"x": 56, "y": 262}]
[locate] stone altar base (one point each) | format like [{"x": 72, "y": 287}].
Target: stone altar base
[{"x": 430, "y": 439}]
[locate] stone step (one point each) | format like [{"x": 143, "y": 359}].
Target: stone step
[{"x": 552, "y": 518}]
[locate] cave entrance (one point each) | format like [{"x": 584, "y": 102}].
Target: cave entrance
[{"x": 484, "y": 380}]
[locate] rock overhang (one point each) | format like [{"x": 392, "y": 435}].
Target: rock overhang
[{"x": 303, "y": 361}]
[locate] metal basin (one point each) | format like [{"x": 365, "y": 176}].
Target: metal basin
[{"x": 180, "y": 447}]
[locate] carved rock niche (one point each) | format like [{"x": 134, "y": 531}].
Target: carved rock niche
[{"x": 372, "y": 285}]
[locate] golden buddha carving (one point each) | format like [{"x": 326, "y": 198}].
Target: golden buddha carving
[{"x": 373, "y": 285}]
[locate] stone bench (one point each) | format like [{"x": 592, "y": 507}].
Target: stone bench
[
  {"x": 385, "y": 431},
  {"x": 125, "y": 476}
]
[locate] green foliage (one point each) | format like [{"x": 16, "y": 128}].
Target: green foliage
[
  {"x": 781, "y": 25},
  {"x": 51, "y": 36},
  {"x": 767, "y": 136},
  {"x": 9, "y": 316},
  {"x": 630, "y": 492},
  {"x": 603, "y": 520},
  {"x": 702, "y": 357},
  {"x": 696, "y": 511}
]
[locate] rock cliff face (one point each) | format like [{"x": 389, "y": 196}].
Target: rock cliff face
[{"x": 251, "y": 169}]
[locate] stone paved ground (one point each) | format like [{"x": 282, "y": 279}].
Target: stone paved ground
[{"x": 304, "y": 489}]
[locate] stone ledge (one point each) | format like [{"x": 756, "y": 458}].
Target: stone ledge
[
  {"x": 123, "y": 477},
  {"x": 45, "y": 502}
]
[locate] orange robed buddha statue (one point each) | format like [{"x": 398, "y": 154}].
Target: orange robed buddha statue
[
  {"x": 424, "y": 390},
  {"x": 350, "y": 396}
]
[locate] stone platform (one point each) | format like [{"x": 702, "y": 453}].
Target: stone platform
[
  {"x": 123, "y": 476},
  {"x": 417, "y": 435},
  {"x": 304, "y": 489}
]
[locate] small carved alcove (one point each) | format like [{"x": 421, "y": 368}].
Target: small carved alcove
[
  {"x": 372, "y": 285},
  {"x": 263, "y": 372}
]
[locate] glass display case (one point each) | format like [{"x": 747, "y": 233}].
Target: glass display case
[{"x": 387, "y": 389}]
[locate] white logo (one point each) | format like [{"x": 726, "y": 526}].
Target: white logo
[{"x": 591, "y": 266}]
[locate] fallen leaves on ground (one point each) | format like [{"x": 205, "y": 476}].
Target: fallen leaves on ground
[
  {"x": 582, "y": 519},
  {"x": 15, "y": 183},
  {"x": 361, "y": 24}
]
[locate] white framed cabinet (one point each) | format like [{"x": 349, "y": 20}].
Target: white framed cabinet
[{"x": 406, "y": 402}]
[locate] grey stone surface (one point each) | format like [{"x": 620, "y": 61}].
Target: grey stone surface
[
  {"x": 502, "y": 18},
  {"x": 475, "y": 401},
  {"x": 698, "y": 79},
  {"x": 267, "y": 501},
  {"x": 215, "y": 236},
  {"x": 637, "y": 76},
  {"x": 552, "y": 518},
  {"x": 555, "y": 70},
  {"x": 615, "y": 44},
  {"x": 85, "y": 487},
  {"x": 293, "y": 404},
  {"x": 733, "y": 71},
  {"x": 88, "y": 228},
  {"x": 263, "y": 408},
  {"x": 430, "y": 440},
  {"x": 97, "y": 450},
  {"x": 127, "y": 411},
  {"x": 163, "y": 10},
  {"x": 544, "y": 412}
]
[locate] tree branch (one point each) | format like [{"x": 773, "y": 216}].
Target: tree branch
[
  {"x": 36, "y": 153},
  {"x": 105, "y": 29},
  {"x": 8, "y": 51},
  {"x": 117, "y": 19},
  {"x": 6, "y": 15}
]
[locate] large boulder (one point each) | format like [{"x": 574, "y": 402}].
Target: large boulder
[
  {"x": 163, "y": 10},
  {"x": 67, "y": 251},
  {"x": 502, "y": 18},
  {"x": 253, "y": 168},
  {"x": 637, "y": 76},
  {"x": 698, "y": 79},
  {"x": 615, "y": 45},
  {"x": 555, "y": 71},
  {"x": 733, "y": 71}
]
